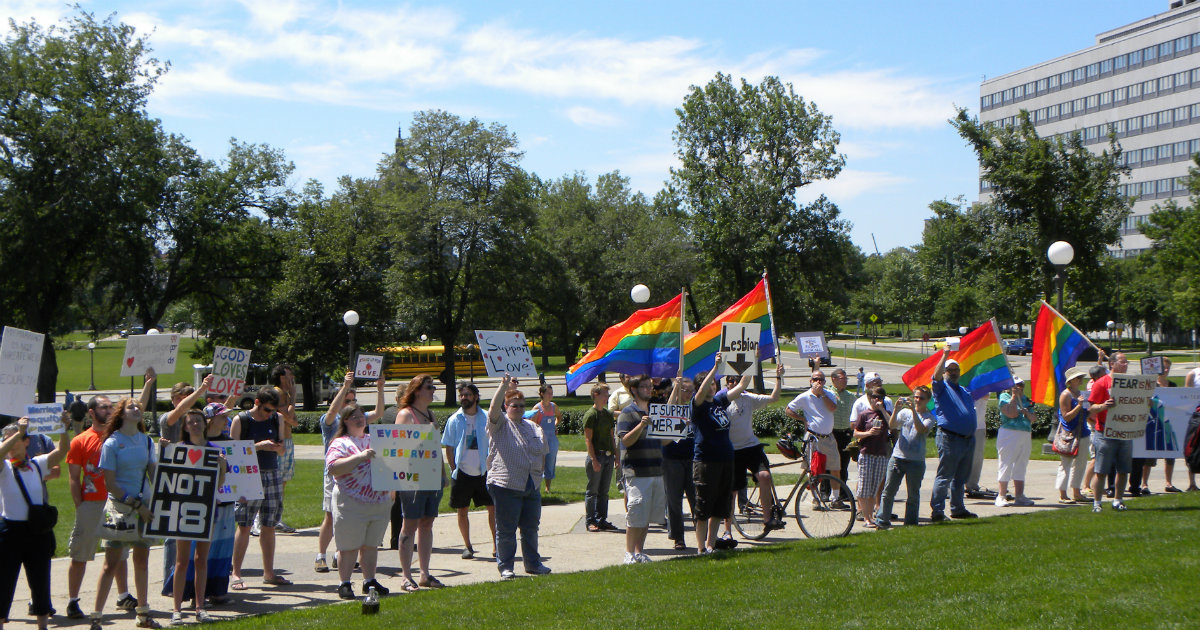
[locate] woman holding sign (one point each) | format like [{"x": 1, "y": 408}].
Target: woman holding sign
[
  {"x": 420, "y": 506},
  {"x": 360, "y": 514},
  {"x": 26, "y": 534},
  {"x": 516, "y": 454},
  {"x": 191, "y": 557}
]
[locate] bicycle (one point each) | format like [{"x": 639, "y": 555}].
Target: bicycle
[{"x": 817, "y": 514}]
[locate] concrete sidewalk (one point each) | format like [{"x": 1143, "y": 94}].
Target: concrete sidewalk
[{"x": 564, "y": 542}]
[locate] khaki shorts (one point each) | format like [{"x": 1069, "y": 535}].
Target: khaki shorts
[
  {"x": 828, "y": 447},
  {"x": 357, "y": 524},
  {"x": 85, "y": 536}
]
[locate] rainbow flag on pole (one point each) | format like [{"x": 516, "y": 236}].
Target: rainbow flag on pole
[
  {"x": 646, "y": 343},
  {"x": 982, "y": 364},
  {"x": 1056, "y": 347},
  {"x": 700, "y": 348}
]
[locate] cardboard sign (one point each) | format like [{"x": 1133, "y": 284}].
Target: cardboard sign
[
  {"x": 1166, "y": 424},
  {"x": 1132, "y": 392},
  {"x": 505, "y": 351},
  {"x": 20, "y": 360},
  {"x": 669, "y": 422},
  {"x": 242, "y": 478},
  {"x": 739, "y": 348},
  {"x": 368, "y": 367},
  {"x": 230, "y": 366},
  {"x": 811, "y": 344},
  {"x": 185, "y": 492},
  {"x": 45, "y": 419},
  {"x": 1152, "y": 365},
  {"x": 408, "y": 457},
  {"x": 150, "y": 351}
]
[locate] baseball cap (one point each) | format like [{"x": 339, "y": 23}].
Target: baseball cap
[
  {"x": 950, "y": 362},
  {"x": 212, "y": 410}
]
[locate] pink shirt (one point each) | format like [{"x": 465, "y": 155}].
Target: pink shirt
[{"x": 357, "y": 483}]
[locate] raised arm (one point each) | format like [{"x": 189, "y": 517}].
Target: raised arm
[
  {"x": 339, "y": 399},
  {"x": 495, "y": 409},
  {"x": 704, "y": 392},
  {"x": 173, "y": 416},
  {"x": 377, "y": 413},
  {"x": 147, "y": 386},
  {"x": 64, "y": 445},
  {"x": 778, "y": 384},
  {"x": 735, "y": 392},
  {"x": 940, "y": 368}
]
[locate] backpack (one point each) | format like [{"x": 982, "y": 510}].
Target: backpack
[{"x": 1191, "y": 443}]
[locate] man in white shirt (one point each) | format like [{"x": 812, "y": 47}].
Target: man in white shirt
[
  {"x": 466, "y": 442},
  {"x": 814, "y": 409}
]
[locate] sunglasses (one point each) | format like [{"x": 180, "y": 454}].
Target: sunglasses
[
  {"x": 818, "y": 380},
  {"x": 269, "y": 409}
]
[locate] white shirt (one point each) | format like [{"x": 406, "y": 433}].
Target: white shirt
[
  {"x": 981, "y": 414},
  {"x": 864, "y": 404},
  {"x": 741, "y": 419},
  {"x": 820, "y": 417},
  {"x": 12, "y": 502}
]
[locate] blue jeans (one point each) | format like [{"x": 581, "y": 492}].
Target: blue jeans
[
  {"x": 517, "y": 509},
  {"x": 595, "y": 498},
  {"x": 911, "y": 471},
  {"x": 955, "y": 455}
]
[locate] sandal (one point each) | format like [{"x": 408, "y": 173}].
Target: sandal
[
  {"x": 238, "y": 584},
  {"x": 592, "y": 527},
  {"x": 278, "y": 580},
  {"x": 144, "y": 620},
  {"x": 680, "y": 545},
  {"x": 432, "y": 582},
  {"x": 409, "y": 586}
]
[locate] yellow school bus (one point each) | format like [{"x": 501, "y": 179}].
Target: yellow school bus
[{"x": 405, "y": 362}]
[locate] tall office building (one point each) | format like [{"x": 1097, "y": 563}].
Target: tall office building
[{"x": 1141, "y": 81}]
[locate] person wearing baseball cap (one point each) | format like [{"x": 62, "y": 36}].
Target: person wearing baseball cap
[
  {"x": 1072, "y": 416},
  {"x": 955, "y": 413}
]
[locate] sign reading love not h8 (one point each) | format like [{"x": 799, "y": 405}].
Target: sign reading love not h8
[{"x": 185, "y": 492}]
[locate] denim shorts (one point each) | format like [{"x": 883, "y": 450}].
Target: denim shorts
[{"x": 420, "y": 503}]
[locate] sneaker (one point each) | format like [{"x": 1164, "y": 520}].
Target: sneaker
[
  {"x": 202, "y": 616},
  {"x": 507, "y": 574},
  {"x": 539, "y": 570},
  {"x": 838, "y": 504},
  {"x": 1172, "y": 489},
  {"x": 964, "y": 514},
  {"x": 255, "y": 529},
  {"x": 1146, "y": 492},
  {"x": 468, "y": 553},
  {"x": 608, "y": 527},
  {"x": 320, "y": 566},
  {"x": 284, "y": 528},
  {"x": 1096, "y": 509},
  {"x": 1108, "y": 494},
  {"x": 127, "y": 602},
  {"x": 630, "y": 558},
  {"x": 937, "y": 517},
  {"x": 641, "y": 558},
  {"x": 1002, "y": 502},
  {"x": 704, "y": 552},
  {"x": 334, "y": 563},
  {"x": 1119, "y": 506},
  {"x": 882, "y": 525},
  {"x": 380, "y": 589},
  {"x": 51, "y": 613},
  {"x": 774, "y": 524},
  {"x": 1023, "y": 502},
  {"x": 176, "y": 618},
  {"x": 346, "y": 591},
  {"x": 73, "y": 610}
]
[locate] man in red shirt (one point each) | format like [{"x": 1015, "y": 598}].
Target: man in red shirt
[
  {"x": 89, "y": 493},
  {"x": 1112, "y": 455}
]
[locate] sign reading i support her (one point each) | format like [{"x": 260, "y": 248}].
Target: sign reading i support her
[
  {"x": 739, "y": 348},
  {"x": 669, "y": 422},
  {"x": 185, "y": 492}
]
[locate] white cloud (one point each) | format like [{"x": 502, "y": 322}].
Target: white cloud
[
  {"x": 850, "y": 184},
  {"x": 590, "y": 117}
]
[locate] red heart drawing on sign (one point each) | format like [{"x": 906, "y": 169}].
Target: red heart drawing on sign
[
  {"x": 129, "y": 362},
  {"x": 370, "y": 368},
  {"x": 194, "y": 454}
]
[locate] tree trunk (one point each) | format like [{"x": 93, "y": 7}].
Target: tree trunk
[
  {"x": 47, "y": 383},
  {"x": 309, "y": 386},
  {"x": 447, "y": 377}
]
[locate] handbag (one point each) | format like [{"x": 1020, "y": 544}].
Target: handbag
[
  {"x": 121, "y": 522},
  {"x": 1065, "y": 442},
  {"x": 42, "y": 518}
]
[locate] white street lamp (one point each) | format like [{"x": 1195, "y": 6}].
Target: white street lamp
[{"x": 640, "y": 293}]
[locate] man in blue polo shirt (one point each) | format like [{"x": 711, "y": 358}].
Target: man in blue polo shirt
[{"x": 955, "y": 441}]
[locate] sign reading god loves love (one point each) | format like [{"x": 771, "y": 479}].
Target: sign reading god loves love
[{"x": 407, "y": 457}]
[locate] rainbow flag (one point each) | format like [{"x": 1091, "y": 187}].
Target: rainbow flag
[
  {"x": 983, "y": 366},
  {"x": 646, "y": 343},
  {"x": 700, "y": 348},
  {"x": 1056, "y": 346}
]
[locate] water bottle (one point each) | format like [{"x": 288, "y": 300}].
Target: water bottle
[{"x": 370, "y": 604}]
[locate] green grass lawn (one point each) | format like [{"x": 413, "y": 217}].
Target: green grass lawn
[
  {"x": 1064, "y": 568},
  {"x": 74, "y": 367}
]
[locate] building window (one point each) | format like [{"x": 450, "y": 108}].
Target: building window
[
  {"x": 1093, "y": 70},
  {"x": 1030, "y": 88},
  {"x": 1018, "y": 92},
  {"x": 1149, "y": 54},
  {"x": 1166, "y": 117},
  {"x": 1134, "y": 57},
  {"x": 1091, "y": 133},
  {"x": 1149, "y": 121},
  {"x": 1182, "y": 78},
  {"x": 1180, "y": 186},
  {"x": 1065, "y": 78},
  {"x": 1119, "y": 127},
  {"x": 1119, "y": 62},
  {"x": 1164, "y": 186},
  {"x": 1183, "y": 43},
  {"x": 1079, "y": 75},
  {"x": 985, "y": 102},
  {"x": 1195, "y": 40},
  {"x": 1041, "y": 85},
  {"x": 1135, "y": 124},
  {"x": 1135, "y": 90},
  {"x": 1093, "y": 101},
  {"x": 1008, "y": 95},
  {"x": 1180, "y": 150},
  {"x": 1053, "y": 81},
  {"x": 1149, "y": 88},
  {"x": 1052, "y": 111},
  {"x": 1148, "y": 154},
  {"x": 1078, "y": 105},
  {"x": 1120, "y": 94},
  {"x": 1196, "y": 111},
  {"x": 1039, "y": 115},
  {"x": 1166, "y": 49},
  {"x": 1181, "y": 114},
  {"x": 1130, "y": 158},
  {"x": 1106, "y": 66},
  {"x": 1106, "y": 99},
  {"x": 1166, "y": 83},
  {"x": 1164, "y": 152}
]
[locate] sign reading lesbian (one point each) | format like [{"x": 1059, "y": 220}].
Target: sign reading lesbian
[{"x": 407, "y": 457}]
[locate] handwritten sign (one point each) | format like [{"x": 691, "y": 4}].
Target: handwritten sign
[
  {"x": 45, "y": 419},
  {"x": 160, "y": 352},
  {"x": 1152, "y": 365},
  {"x": 408, "y": 457},
  {"x": 229, "y": 370},
  {"x": 1166, "y": 424},
  {"x": 669, "y": 422},
  {"x": 811, "y": 344},
  {"x": 20, "y": 360},
  {"x": 368, "y": 366},
  {"x": 185, "y": 492},
  {"x": 505, "y": 351},
  {"x": 739, "y": 348},
  {"x": 242, "y": 478},
  {"x": 1132, "y": 392}
]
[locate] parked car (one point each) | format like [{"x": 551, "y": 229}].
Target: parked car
[{"x": 1020, "y": 346}]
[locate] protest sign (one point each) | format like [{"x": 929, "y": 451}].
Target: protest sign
[
  {"x": 150, "y": 351},
  {"x": 45, "y": 419},
  {"x": 1166, "y": 424},
  {"x": 20, "y": 360},
  {"x": 185, "y": 492},
  {"x": 811, "y": 344},
  {"x": 242, "y": 479},
  {"x": 505, "y": 351},
  {"x": 1127, "y": 420},
  {"x": 1152, "y": 365},
  {"x": 669, "y": 422},
  {"x": 407, "y": 457},
  {"x": 229, "y": 370},
  {"x": 368, "y": 366},
  {"x": 739, "y": 348}
]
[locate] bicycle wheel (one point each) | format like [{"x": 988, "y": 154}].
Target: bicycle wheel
[
  {"x": 748, "y": 518},
  {"x": 821, "y": 516}
]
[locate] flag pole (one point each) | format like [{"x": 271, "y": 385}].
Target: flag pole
[
  {"x": 771, "y": 315},
  {"x": 996, "y": 331},
  {"x": 682, "y": 326},
  {"x": 1085, "y": 337}
]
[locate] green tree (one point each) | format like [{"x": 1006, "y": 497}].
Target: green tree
[
  {"x": 950, "y": 257},
  {"x": 744, "y": 152},
  {"x": 77, "y": 162}
]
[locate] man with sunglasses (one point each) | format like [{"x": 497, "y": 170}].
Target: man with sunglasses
[
  {"x": 814, "y": 409},
  {"x": 955, "y": 413},
  {"x": 263, "y": 426}
]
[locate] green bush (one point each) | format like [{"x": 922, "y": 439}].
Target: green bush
[
  {"x": 571, "y": 423},
  {"x": 771, "y": 421}
]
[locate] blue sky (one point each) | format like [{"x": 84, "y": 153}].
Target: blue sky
[{"x": 592, "y": 87}]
